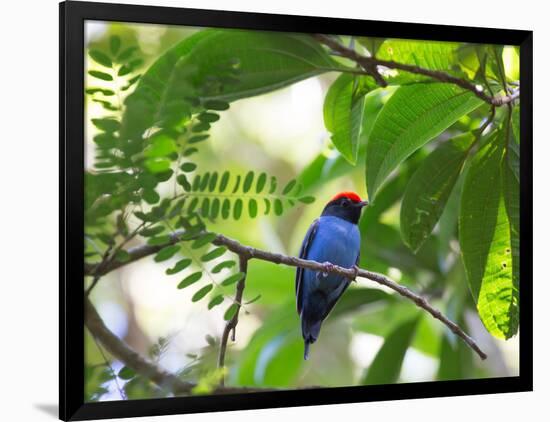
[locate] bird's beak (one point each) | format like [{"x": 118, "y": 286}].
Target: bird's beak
[{"x": 363, "y": 203}]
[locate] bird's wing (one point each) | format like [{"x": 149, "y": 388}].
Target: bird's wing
[
  {"x": 331, "y": 301},
  {"x": 303, "y": 254}
]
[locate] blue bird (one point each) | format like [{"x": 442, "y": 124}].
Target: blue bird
[{"x": 332, "y": 239}]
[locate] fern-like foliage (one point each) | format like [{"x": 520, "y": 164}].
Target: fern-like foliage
[{"x": 134, "y": 157}]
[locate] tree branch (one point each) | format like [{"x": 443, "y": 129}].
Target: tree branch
[
  {"x": 247, "y": 252},
  {"x": 370, "y": 63},
  {"x": 231, "y": 325},
  {"x": 121, "y": 351}
]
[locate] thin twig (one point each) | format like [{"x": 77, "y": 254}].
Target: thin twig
[
  {"x": 370, "y": 65},
  {"x": 231, "y": 325},
  {"x": 252, "y": 253}
]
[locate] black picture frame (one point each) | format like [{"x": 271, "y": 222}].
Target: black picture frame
[{"x": 72, "y": 16}]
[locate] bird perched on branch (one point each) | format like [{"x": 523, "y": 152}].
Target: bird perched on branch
[{"x": 332, "y": 239}]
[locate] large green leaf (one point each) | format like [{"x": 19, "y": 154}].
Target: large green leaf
[
  {"x": 343, "y": 114},
  {"x": 485, "y": 240},
  {"x": 243, "y": 63},
  {"x": 454, "y": 360},
  {"x": 434, "y": 55},
  {"x": 414, "y": 115},
  {"x": 510, "y": 181},
  {"x": 265, "y": 61},
  {"x": 430, "y": 188},
  {"x": 386, "y": 366}
]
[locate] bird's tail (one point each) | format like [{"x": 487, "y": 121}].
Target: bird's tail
[
  {"x": 306, "y": 349},
  {"x": 310, "y": 332}
]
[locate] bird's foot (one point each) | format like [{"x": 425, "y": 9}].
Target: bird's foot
[
  {"x": 355, "y": 269},
  {"x": 327, "y": 268}
]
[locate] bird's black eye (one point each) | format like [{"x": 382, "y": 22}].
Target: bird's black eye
[{"x": 345, "y": 202}]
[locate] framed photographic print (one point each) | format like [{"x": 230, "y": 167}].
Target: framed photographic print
[{"x": 266, "y": 210}]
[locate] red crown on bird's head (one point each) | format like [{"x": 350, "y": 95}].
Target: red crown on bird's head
[{"x": 350, "y": 195}]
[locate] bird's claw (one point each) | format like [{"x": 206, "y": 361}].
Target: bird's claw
[{"x": 327, "y": 268}]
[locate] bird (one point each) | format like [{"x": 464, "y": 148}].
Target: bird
[{"x": 332, "y": 239}]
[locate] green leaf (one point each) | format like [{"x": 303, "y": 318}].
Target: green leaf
[
  {"x": 452, "y": 357},
  {"x": 252, "y": 208},
  {"x": 106, "y": 124},
  {"x": 205, "y": 208},
  {"x": 203, "y": 240},
  {"x": 208, "y": 117},
  {"x": 126, "y": 54},
  {"x": 232, "y": 279},
  {"x": 214, "y": 253},
  {"x": 202, "y": 292},
  {"x": 371, "y": 44},
  {"x": 215, "y": 208},
  {"x": 106, "y": 92},
  {"x": 187, "y": 167},
  {"x": 226, "y": 208},
  {"x": 307, "y": 199},
  {"x": 126, "y": 373},
  {"x": 190, "y": 279},
  {"x": 343, "y": 114},
  {"x": 267, "y": 204},
  {"x": 215, "y": 301},
  {"x": 124, "y": 70},
  {"x": 387, "y": 363},
  {"x": 429, "y": 189},
  {"x": 197, "y": 138},
  {"x": 289, "y": 186},
  {"x": 205, "y": 179},
  {"x": 230, "y": 312},
  {"x": 144, "y": 216},
  {"x": 166, "y": 253},
  {"x": 150, "y": 196},
  {"x": 262, "y": 61},
  {"x": 216, "y": 105},
  {"x": 433, "y": 55},
  {"x": 222, "y": 265},
  {"x": 213, "y": 181},
  {"x": 158, "y": 240},
  {"x": 184, "y": 182},
  {"x": 157, "y": 165},
  {"x": 100, "y": 75},
  {"x": 161, "y": 145},
  {"x": 101, "y": 58},
  {"x": 114, "y": 43},
  {"x": 265, "y": 61},
  {"x": 237, "y": 209},
  {"x": 254, "y": 299},
  {"x": 122, "y": 256},
  {"x": 515, "y": 124},
  {"x": 278, "y": 206},
  {"x": 247, "y": 184},
  {"x": 200, "y": 127},
  {"x": 223, "y": 181},
  {"x": 260, "y": 182},
  {"x": 485, "y": 240},
  {"x": 273, "y": 185},
  {"x": 414, "y": 115},
  {"x": 180, "y": 266}
]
